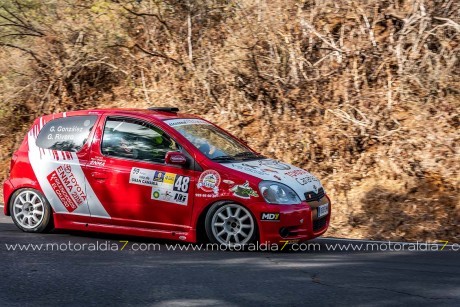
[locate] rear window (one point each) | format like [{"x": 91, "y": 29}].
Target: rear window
[{"x": 67, "y": 133}]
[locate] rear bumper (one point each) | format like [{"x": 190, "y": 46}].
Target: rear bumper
[
  {"x": 8, "y": 189},
  {"x": 293, "y": 224}
]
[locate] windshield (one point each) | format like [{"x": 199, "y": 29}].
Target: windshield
[{"x": 212, "y": 141}]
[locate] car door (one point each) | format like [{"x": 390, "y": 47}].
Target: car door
[{"x": 127, "y": 171}]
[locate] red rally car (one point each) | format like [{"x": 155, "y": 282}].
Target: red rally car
[{"x": 161, "y": 174}]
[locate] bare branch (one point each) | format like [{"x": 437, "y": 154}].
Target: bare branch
[
  {"x": 147, "y": 15},
  {"x": 31, "y": 53},
  {"x": 151, "y": 53},
  {"x": 449, "y": 22},
  {"x": 19, "y": 22},
  {"x": 13, "y": 15}
]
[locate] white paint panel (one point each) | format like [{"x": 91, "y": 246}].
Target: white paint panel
[
  {"x": 45, "y": 161},
  {"x": 296, "y": 178}
]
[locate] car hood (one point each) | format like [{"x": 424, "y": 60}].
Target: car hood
[{"x": 296, "y": 178}]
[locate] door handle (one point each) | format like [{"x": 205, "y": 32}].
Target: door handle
[{"x": 99, "y": 175}]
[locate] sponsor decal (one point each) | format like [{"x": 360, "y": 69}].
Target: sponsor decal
[
  {"x": 209, "y": 181},
  {"x": 250, "y": 170},
  {"x": 186, "y": 121},
  {"x": 307, "y": 179},
  {"x": 250, "y": 166},
  {"x": 229, "y": 182},
  {"x": 65, "y": 185},
  {"x": 302, "y": 176},
  {"x": 269, "y": 170},
  {"x": 167, "y": 195},
  {"x": 169, "y": 178},
  {"x": 243, "y": 191},
  {"x": 298, "y": 179},
  {"x": 145, "y": 177},
  {"x": 296, "y": 172},
  {"x": 158, "y": 176},
  {"x": 203, "y": 195},
  {"x": 275, "y": 164},
  {"x": 156, "y": 194},
  {"x": 267, "y": 216},
  {"x": 97, "y": 161},
  {"x": 167, "y": 187}
]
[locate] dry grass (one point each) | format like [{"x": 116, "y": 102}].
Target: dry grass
[{"x": 362, "y": 93}]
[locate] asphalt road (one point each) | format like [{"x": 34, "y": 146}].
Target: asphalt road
[{"x": 162, "y": 277}]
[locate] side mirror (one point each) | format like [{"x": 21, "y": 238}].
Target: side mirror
[{"x": 176, "y": 158}]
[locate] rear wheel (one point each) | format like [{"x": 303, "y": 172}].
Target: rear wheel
[
  {"x": 230, "y": 224},
  {"x": 30, "y": 211}
]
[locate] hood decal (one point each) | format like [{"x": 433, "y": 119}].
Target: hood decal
[{"x": 296, "y": 178}]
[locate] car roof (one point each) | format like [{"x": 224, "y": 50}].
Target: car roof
[{"x": 146, "y": 113}]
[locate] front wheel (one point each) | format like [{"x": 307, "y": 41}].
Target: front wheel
[
  {"x": 230, "y": 224},
  {"x": 30, "y": 211}
]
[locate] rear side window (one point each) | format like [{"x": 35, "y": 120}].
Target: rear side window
[
  {"x": 132, "y": 139},
  {"x": 67, "y": 133}
]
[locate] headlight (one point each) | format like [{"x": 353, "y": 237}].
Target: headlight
[{"x": 278, "y": 193}]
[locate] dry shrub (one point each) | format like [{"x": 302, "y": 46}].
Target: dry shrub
[{"x": 362, "y": 93}]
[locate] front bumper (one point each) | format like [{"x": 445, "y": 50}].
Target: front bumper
[{"x": 293, "y": 224}]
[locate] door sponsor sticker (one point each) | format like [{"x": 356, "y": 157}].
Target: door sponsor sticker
[
  {"x": 65, "y": 185},
  {"x": 167, "y": 187},
  {"x": 165, "y": 194},
  {"x": 144, "y": 176},
  {"x": 209, "y": 181}
]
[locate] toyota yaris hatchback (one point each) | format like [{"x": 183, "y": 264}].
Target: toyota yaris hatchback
[{"x": 161, "y": 174}]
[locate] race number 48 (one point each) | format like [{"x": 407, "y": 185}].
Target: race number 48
[{"x": 181, "y": 184}]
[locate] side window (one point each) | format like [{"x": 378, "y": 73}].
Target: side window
[
  {"x": 67, "y": 133},
  {"x": 133, "y": 139}
]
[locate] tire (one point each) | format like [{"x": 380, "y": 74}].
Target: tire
[
  {"x": 31, "y": 211},
  {"x": 230, "y": 224}
]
